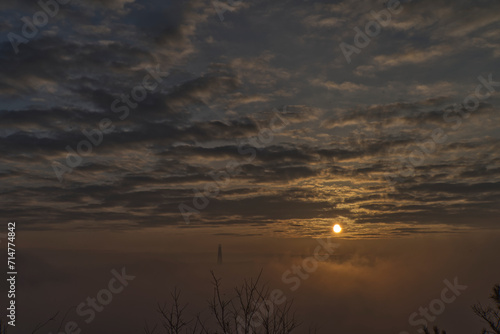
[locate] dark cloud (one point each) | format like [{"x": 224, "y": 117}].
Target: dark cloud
[{"x": 341, "y": 131}]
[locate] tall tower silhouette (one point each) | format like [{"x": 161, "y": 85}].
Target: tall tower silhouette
[{"x": 219, "y": 255}]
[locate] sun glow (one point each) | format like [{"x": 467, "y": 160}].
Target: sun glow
[{"x": 337, "y": 228}]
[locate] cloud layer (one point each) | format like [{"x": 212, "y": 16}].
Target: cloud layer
[{"x": 353, "y": 141}]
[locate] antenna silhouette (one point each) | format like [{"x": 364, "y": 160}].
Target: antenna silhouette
[{"x": 219, "y": 255}]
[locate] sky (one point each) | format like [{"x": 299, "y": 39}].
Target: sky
[{"x": 258, "y": 125}]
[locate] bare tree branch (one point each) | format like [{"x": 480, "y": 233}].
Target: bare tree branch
[{"x": 40, "y": 325}]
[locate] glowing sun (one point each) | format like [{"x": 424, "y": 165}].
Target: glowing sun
[{"x": 337, "y": 228}]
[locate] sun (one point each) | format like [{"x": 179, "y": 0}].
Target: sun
[{"x": 337, "y": 228}]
